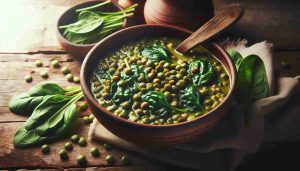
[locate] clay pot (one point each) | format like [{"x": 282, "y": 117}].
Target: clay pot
[
  {"x": 145, "y": 134},
  {"x": 190, "y": 14},
  {"x": 139, "y": 12}
]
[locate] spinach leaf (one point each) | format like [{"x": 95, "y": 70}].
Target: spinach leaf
[
  {"x": 88, "y": 21},
  {"x": 52, "y": 119},
  {"x": 252, "y": 82},
  {"x": 25, "y": 103},
  {"x": 190, "y": 98},
  {"x": 205, "y": 74},
  {"x": 158, "y": 104},
  {"x": 102, "y": 74},
  {"x": 119, "y": 94},
  {"x": 157, "y": 53},
  {"x": 236, "y": 57}
]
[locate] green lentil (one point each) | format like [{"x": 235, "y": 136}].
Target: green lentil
[
  {"x": 63, "y": 154},
  {"x": 110, "y": 159},
  {"x": 38, "y": 63},
  {"x": 82, "y": 142},
  {"x": 69, "y": 77},
  {"x": 55, "y": 64},
  {"x": 81, "y": 160},
  {"x": 76, "y": 79},
  {"x": 69, "y": 146},
  {"x": 126, "y": 160},
  {"x": 95, "y": 152},
  {"x": 45, "y": 149},
  {"x": 75, "y": 138},
  {"x": 65, "y": 70},
  {"x": 28, "y": 78}
]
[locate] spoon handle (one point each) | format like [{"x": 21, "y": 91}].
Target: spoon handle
[{"x": 224, "y": 18}]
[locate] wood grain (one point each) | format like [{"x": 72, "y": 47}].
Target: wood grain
[
  {"x": 11, "y": 157},
  {"x": 273, "y": 20}
]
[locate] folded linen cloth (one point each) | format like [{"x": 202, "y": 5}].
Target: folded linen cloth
[{"x": 224, "y": 147}]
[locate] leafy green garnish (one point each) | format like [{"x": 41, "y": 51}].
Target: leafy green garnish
[
  {"x": 205, "y": 73},
  {"x": 190, "y": 98},
  {"x": 119, "y": 94},
  {"x": 92, "y": 26},
  {"x": 25, "y": 103},
  {"x": 236, "y": 57},
  {"x": 49, "y": 121},
  {"x": 252, "y": 79},
  {"x": 157, "y": 53},
  {"x": 158, "y": 104}
]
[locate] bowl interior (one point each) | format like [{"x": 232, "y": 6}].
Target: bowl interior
[
  {"x": 133, "y": 33},
  {"x": 71, "y": 16}
]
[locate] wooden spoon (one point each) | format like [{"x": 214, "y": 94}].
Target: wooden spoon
[{"x": 223, "y": 19}]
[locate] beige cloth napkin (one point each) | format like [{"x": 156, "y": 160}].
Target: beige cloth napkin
[{"x": 224, "y": 147}]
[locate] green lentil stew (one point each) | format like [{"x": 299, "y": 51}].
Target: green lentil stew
[{"x": 147, "y": 82}]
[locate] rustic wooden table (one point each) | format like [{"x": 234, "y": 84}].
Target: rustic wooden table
[{"x": 27, "y": 34}]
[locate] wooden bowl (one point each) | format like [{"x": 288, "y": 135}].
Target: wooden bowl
[
  {"x": 144, "y": 134},
  {"x": 69, "y": 16}
]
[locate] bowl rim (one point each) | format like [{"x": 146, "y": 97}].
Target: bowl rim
[
  {"x": 125, "y": 23},
  {"x": 90, "y": 97}
]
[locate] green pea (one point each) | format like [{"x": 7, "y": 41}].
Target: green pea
[
  {"x": 55, "y": 64},
  {"x": 63, "y": 154},
  {"x": 95, "y": 152},
  {"x": 136, "y": 105},
  {"x": 110, "y": 159},
  {"x": 28, "y": 78},
  {"x": 76, "y": 79},
  {"x": 128, "y": 71},
  {"x": 126, "y": 160},
  {"x": 112, "y": 70},
  {"x": 125, "y": 105},
  {"x": 105, "y": 67},
  {"x": 38, "y": 63},
  {"x": 45, "y": 149},
  {"x": 69, "y": 146},
  {"x": 160, "y": 75},
  {"x": 83, "y": 106},
  {"x": 167, "y": 94},
  {"x": 156, "y": 80},
  {"x": 65, "y": 70},
  {"x": 86, "y": 120},
  {"x": 142, "y": 85},
  {"x": 144, "y": 105},
  {"x": 75, "y": 138},
  {"x": 82, "y": 142},
  {"x": 139, "y": 112},
  {"x": 151, "y": 75},
  {"x": 137, "y": 97},
  {"x": 159, "y": 68},
  {"x": 107, "y": 146},
  {"x": 81, "y": 160},
  {"x": 91, "y": 118},
  {"x": 121, "y": 83},
  {"x": 69, "y": 77}
]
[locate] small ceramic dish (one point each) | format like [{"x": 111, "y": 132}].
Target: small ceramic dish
[
  {"x": 77, "y": 50},
  {"x": 145, "y": 134}
]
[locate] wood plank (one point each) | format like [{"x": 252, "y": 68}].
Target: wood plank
[
  {"x": 13, "y": 158},
  {"x": 273, "y": 20}
]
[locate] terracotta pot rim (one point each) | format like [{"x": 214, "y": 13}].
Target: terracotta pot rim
[
  {"x": 90, "y": 97},
  {"x": 62, "y": 38}
]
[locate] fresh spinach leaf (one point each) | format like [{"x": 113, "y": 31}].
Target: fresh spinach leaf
[
  {"x": 236, "y": 57},
  {"x": 102, "y": 74},
  {"x": 158, "y": 104},
  {"x": 52, "y": 119},
  {"x": 252, "y": 82},
  {"x": 190, "y": 98},
  {"x": 87, "y": 21},
  {"x": 119, "y": 94},
  {"x": 205, "y": 72},
  {"x": 25, "y": 103},
  {"x": 157, "y": 53}
]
